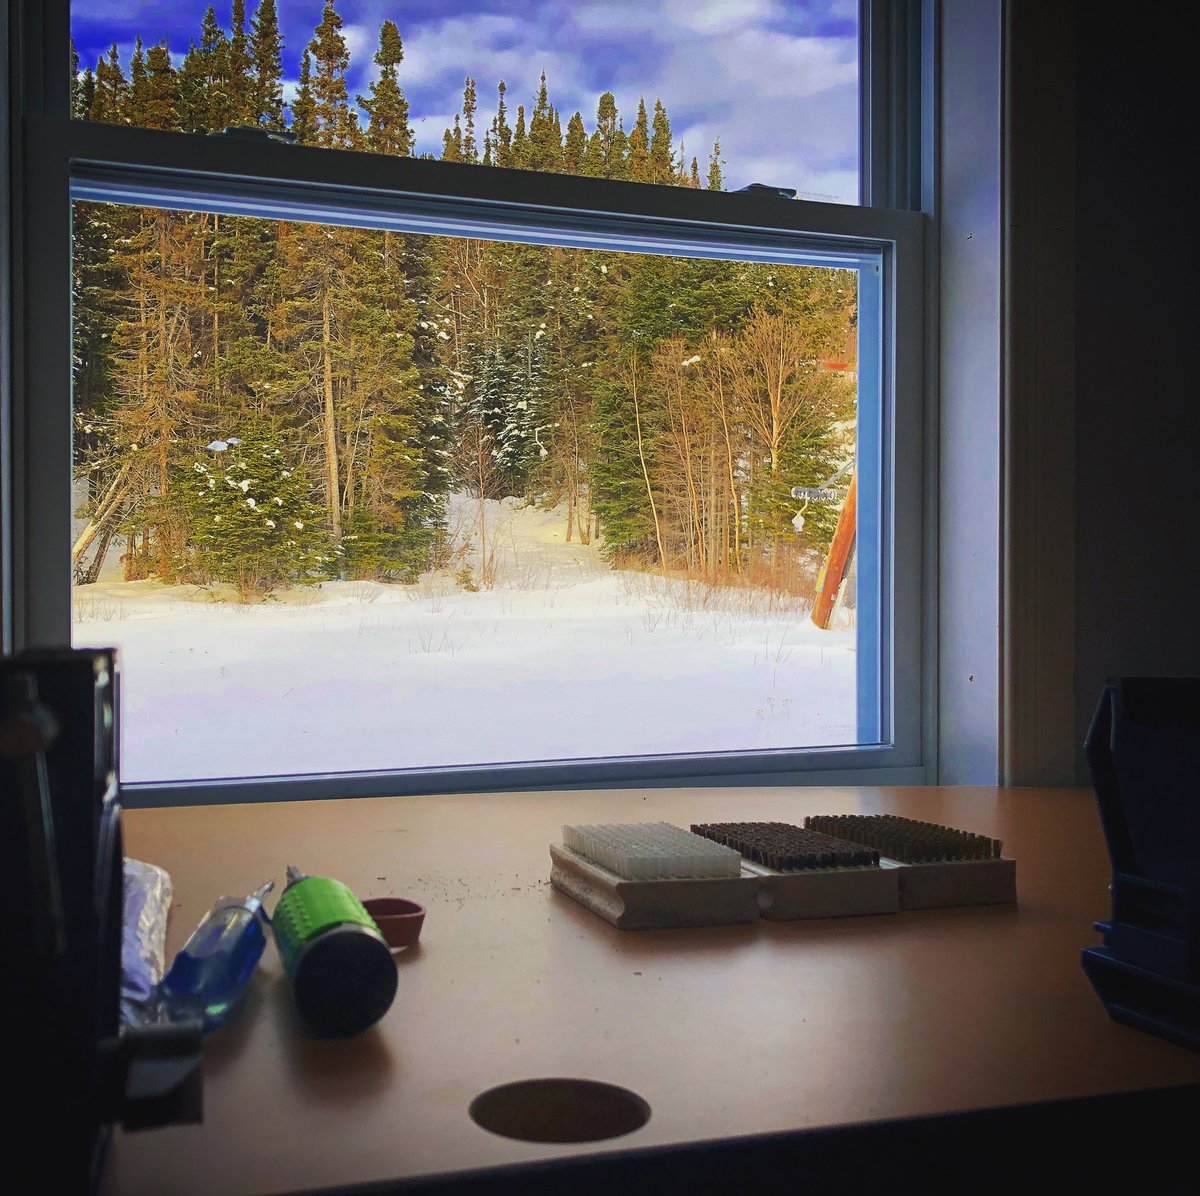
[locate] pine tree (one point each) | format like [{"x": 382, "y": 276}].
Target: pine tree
[
  {"x": 266, "y": 68},
  {"x": 74, "y": 81},
  {"x": 252, "y": 522},
  {"x": 192, "y": 101},
  {"x": 545, "y": 139},
  {"x": 622, "y": 474},
  {"x": 470, "y": 151},
  {"x": 607, "y": 147},
  {"x": 716, "y": 181},
  {"x": 215, "y": 67},
  {"x": 136, "y": 98},
  {"x": 662, "y": 161},
  {"x": 576, "y": 145},
  {"x": 152, "y": 90},
  {"x": 452, "y": 142},
  {"x": 303, "y": 107},
  {"x": 84, "y": 95},
  {"x": 388, "y": 130},
  {"x": 108, "y": 100},
  {"x": 335, "y": 122},
  {"x": 519, "y": 156},
  {"x": 639, "y": 147},
  {"x": 239, "y": 69},
  {"x": 501, "y": 133}
]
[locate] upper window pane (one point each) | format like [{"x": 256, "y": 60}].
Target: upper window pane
[{"x": 699, "y": 93}]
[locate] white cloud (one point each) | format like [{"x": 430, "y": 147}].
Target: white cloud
[
  {"x": 630, "y": 17},
  {"x": 786, "y": 110},
  {"x": 428, "y": 130},
  {"x": 361, "y": 41},
  {"x": 715, "y": 16},
  {"x": 486, "y": 47}
]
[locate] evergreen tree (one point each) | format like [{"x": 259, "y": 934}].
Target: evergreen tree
[
  {"x": 84, "y": 95},
  {"x": 266, "y": 68},
  {"x": 424, "y": 510},
  {"x": 501, "y": 133},
  {"x": 662, "y": 161},
  {"x": 452, "y": 142},
  {"x": 576, "y": 145},
  {"x": 545, "y": 139},
  {"x": 622, "y": 474},
  {"x": 215, "y": 73},
  {"x": 607, "y": 146},
  {"x": 639, "y": 147},
  {"x": 74, "y": 84},
  {"x": 136, "y": 98},
  {"x": 519, "y": 155},
  {"x": 716, "y": 180},
  {"x": 193, "y": 99},
  {"x": 252, "y": 522},
  {"x": 470, "y": 151},
  {"x": 239, "y": 68},
  {"x": 303, "y": 107},
  {"x": 152, "y": 92},
  {"x": 108, "y": 99},
  {"x": 335, "y": 122},
  {"x": 388, "y": 130}
]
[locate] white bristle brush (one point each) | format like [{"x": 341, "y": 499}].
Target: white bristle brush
[{"x": 652, "y": 851}]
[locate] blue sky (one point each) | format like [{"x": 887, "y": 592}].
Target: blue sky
[{"x": 777, "y": 81}]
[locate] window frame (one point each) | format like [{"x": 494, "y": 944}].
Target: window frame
[{"x": 54, "y": 149}]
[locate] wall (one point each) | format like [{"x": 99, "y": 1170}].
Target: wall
[{"x": 1137, "y": 529}]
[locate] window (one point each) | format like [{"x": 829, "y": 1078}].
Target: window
[{"x": 400, "y": 384}]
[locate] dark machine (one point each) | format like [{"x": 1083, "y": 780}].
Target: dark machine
[
  {"x": 1143, "y": 749},
  {"x": 78, "y": 1071}
]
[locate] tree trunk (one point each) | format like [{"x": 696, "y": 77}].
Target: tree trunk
[
  {"x": 106, "y": 508},
  {"x": 333, "y": 499},
  {"x": 637, "y": 417},
  {"x": 92, "y": 573}
]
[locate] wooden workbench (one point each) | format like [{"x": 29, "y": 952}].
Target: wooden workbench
[{"x": 725, "y": 1032}]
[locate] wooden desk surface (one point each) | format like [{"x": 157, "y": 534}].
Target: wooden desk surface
[{"x": 725, "y": 1031}]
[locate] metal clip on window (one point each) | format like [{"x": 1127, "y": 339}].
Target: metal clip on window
[
  {"x": 253, "y": 133},
  {"x": 765, "y": 189}
]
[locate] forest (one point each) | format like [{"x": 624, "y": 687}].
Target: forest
[{"x": 268, "y": 403}]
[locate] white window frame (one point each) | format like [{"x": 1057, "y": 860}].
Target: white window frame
[{"x": 55, "y": 154}]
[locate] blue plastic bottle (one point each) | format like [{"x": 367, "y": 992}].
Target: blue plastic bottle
[{"x": 210, "y": 974}]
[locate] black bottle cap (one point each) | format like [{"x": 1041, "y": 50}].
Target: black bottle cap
[{"x": 344, "y": 982}]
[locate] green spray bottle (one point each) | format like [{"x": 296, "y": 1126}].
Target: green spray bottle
[{"x": 342, "y": 973}]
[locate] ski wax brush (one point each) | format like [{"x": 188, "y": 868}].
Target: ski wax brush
[
  {"x": 343, "y": 975},
  {"x": 652, "y": 851},
  {"x": 788, "y": 848}
]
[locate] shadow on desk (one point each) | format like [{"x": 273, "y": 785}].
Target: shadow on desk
[{"x": 1140, "y": 1143}]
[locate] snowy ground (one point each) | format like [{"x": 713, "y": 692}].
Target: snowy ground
[{"x": 564, "y": 658}]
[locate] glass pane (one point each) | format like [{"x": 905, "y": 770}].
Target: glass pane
[
  {"x": 351, "y": 499},
  {"x": 694, "y": 93}
]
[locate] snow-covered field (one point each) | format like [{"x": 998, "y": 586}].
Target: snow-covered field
[{"x": 564, "y": 658}]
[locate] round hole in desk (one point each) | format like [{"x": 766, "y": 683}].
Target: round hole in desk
[{"x": 559, "y": 1110}]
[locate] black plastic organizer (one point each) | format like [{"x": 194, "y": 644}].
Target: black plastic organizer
[{"x": 1143, "y": 749}]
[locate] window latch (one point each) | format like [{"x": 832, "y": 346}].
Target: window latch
[
  {"x": 253, "y": 133},
  {"x": 766, "y": 189}
]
